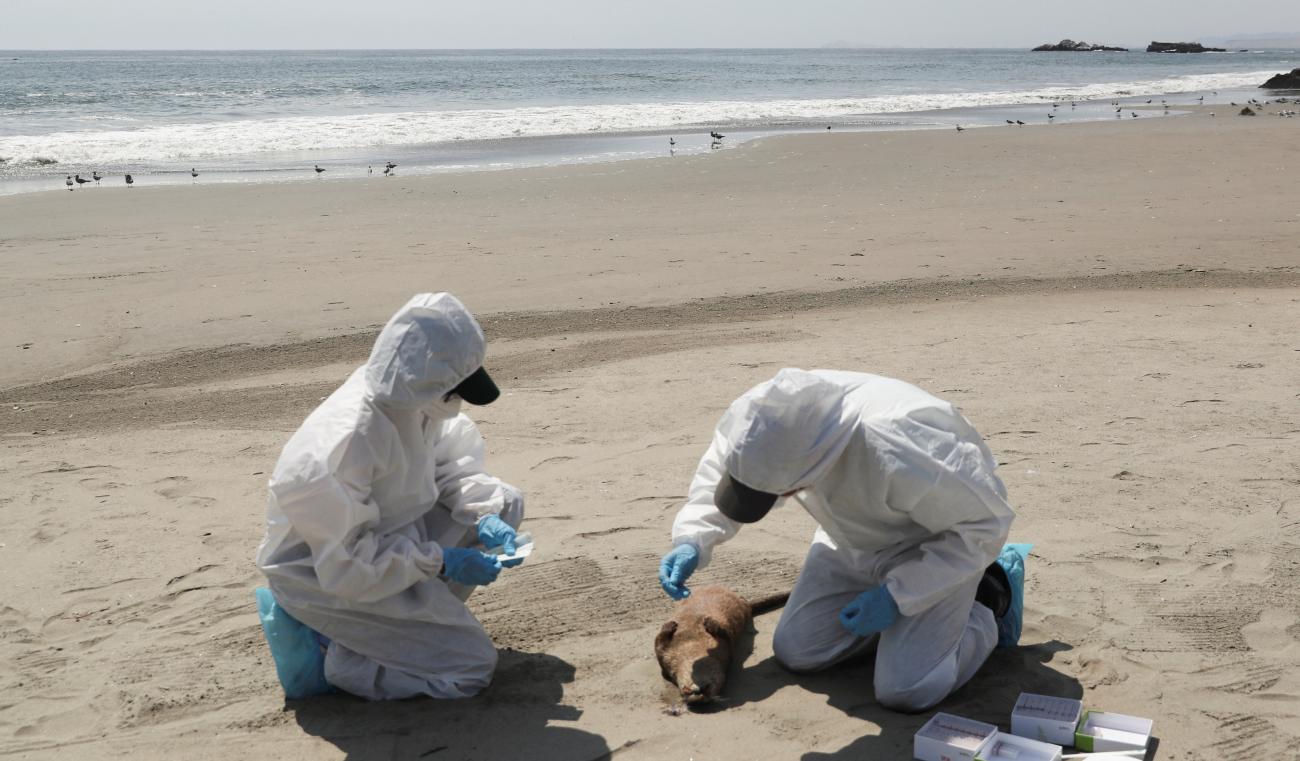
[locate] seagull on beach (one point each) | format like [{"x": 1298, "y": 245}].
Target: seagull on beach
[
  {"x": 716, "y": 135},
  {"x": 672, "y": 143},
  {"x": 1020, "y": 123},
  {"x": 95, "y": 176},
  {"x": 1011, "y": 122},
  {"x": 388, "y": 169},
  {"x": 1135, "y": 114},
  {"x": 318, "y": 169},
  {"x": 194, "y": 173},
  {"x": 960, "y": 128},
  {"x": 80, "y": 181},
  {"x": 1051, "y": 116},
  {"x": 370, "y": 170},
  {"x": 68, "y": 182},
  {"x": 129, "y": 182}
]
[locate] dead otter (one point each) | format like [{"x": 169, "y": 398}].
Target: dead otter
[{"x": 695, "y": 646}]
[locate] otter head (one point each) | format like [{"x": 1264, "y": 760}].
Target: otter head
[{"x": 694, "y": 655}]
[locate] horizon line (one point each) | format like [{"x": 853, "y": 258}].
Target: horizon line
[{"x": 827, "y": 46}]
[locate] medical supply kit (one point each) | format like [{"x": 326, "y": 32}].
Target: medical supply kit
[{"x": 1041, "y": 727}]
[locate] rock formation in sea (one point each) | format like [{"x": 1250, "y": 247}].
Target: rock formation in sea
[
  {"x": 1181, "y": 47},
  {"x": 1287, "y": 81},
  {"x": 1070, "y": 46}
]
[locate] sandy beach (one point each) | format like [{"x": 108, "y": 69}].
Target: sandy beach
[{"x": 1116, "y": 306}]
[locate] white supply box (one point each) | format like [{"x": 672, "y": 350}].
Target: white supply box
[
  {"x": 1045, "y": 718},
  {"x": 1006, "y": 747},
  {"x": 1101, "y": 731},
  {"x": 951, "y": 738}
]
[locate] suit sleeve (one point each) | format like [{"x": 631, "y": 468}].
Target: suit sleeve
[
  {"x": 699, "y": 522},
  {"x": 463, "y": 487}
]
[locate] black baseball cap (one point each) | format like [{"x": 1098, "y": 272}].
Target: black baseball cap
[
  {"x": 741, "y": 503},
  {"x": 478, "y": 388}
]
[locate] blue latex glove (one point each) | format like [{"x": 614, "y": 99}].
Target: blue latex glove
[
  {"x": 676, "y": 567},
  {"x": 469, "y": 567},
  {"x": 1012, "y": 560},
  {"x": 870, "y": 613},
  {"x": 494, "y": 532}
]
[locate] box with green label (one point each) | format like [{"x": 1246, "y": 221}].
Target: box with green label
[{"x": 1102, "y": 731}]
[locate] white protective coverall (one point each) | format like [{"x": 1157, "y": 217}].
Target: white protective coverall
[
  {"x": 379, "y": 478},
  {"x": 904, "y": 492}
]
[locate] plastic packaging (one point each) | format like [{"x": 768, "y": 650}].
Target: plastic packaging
[{"x": 523, "y": 548}]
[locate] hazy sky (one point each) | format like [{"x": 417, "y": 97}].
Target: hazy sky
[{"x": 184, "y": 24}]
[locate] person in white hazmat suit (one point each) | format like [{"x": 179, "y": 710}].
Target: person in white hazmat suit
[
  {"x": 908, "y": 554},
  {"x": 378, "y": 511}
]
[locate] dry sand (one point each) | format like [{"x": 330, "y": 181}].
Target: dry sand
[{"x": 1116, "y": 306}]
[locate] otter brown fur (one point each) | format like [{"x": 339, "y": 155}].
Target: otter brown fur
[{"x": 695, "y": 646}]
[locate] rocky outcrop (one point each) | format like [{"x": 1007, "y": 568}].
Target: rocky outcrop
[
  {"x": 1070, "y": 46},
  {"x": 1181, "y": 47},
  {"x": 1288, "y": 81},
  {"x": 1246, "y": 112}
]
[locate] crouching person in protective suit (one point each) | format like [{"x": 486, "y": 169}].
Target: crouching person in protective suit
[
  {"x": 908, "y": 555},
  {"x": 378, "y": 511}
]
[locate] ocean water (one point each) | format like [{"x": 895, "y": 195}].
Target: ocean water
[{"x": 268, "y": 115}]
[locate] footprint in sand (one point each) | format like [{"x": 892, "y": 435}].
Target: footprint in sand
[{"x": 179, "y": 488}]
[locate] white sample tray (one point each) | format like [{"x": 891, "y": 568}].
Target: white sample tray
[
  {"x": 1046, "y": 718},
  {"x": 1008, "y": 747},
  {"x": 946, "y": 737}
]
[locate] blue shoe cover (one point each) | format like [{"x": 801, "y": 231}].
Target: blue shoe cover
[
  {"x": 1012, "y": 560},
  {"x": 299, "y": 662}
]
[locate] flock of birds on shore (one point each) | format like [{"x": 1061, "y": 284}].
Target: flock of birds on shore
[
  {"x": 1119, "y": 110},
  {"x": 75, "y": 181},
  {"x": 715, "y": 142}
]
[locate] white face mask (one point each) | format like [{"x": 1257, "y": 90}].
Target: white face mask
[{"x": 444, "y": 409}]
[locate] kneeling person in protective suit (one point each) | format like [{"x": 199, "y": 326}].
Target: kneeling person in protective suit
[
  {"x": 908, "y": 554},
  {"x": 378, "y": 510}
]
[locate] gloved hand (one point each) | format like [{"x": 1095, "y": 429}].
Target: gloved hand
[
  {"x": 469, "y": 567},
  {"x": 494, "y": 532},
  {"x": 871, "y": 612},
  {"x": 676, "y": 567}
]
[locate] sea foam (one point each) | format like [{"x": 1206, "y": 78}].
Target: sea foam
[{"x": 185, "y": 142}]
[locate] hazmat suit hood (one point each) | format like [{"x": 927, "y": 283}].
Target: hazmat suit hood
[
  {"x": 428, "y": 347},
  {"x": 786, "y": 433}
]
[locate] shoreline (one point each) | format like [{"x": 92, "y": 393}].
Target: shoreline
[{"x": 571, "y": 149}]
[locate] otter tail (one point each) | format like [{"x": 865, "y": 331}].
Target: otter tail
[{"x": 769, "y": 603}]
